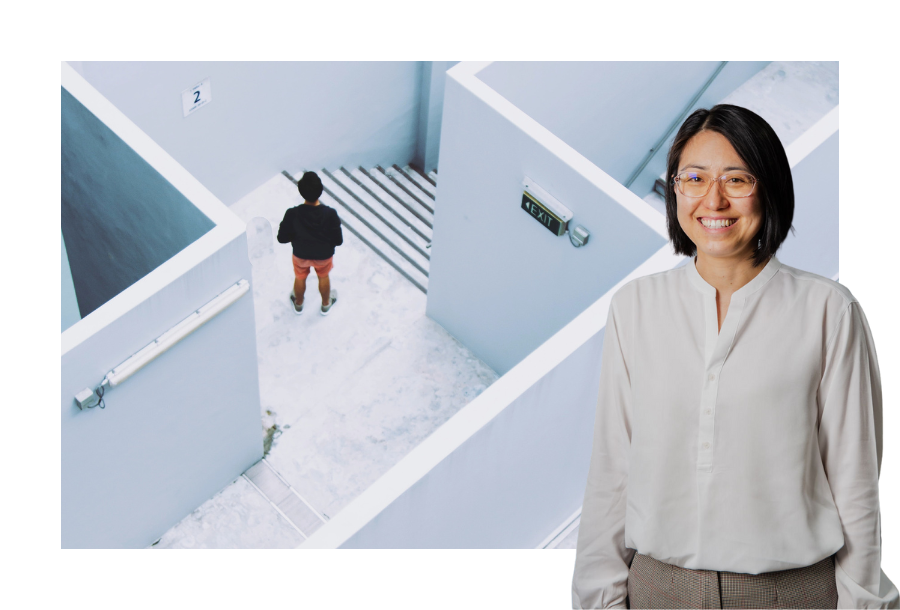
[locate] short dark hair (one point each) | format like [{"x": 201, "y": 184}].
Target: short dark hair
[
  {"x": 310, "y": 186},
  {"x": 758, "y": 146}
]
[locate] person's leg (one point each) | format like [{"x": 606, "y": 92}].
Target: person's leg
[
  {"x": 301, "y": 271},
  {"x": 299, "y": 289},
  {"x": 322, "y": 270},
  {"x": 325, "y": 289}
]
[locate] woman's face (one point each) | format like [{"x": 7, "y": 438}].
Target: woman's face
[{"x": 711, "y": 153}]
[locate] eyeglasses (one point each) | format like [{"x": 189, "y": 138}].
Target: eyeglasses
[{"x": 732, "y": 184}]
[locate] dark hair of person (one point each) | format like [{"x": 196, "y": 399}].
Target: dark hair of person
[
  {"x": 310, "y": 186},
  {"x": 756, "y": 144}
]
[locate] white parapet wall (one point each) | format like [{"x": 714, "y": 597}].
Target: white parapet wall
[
  {"x": 499, "y": 282},
  {"x": 509, "y": 469},
  {"x": 186, "y": 424}
]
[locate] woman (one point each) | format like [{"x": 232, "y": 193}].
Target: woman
[{"x": 737, "y": 443}]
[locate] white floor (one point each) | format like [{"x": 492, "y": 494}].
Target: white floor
[{"x": 348, "y": 394}]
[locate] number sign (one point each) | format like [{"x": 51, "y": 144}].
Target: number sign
[{"x": 196, "y": 97}]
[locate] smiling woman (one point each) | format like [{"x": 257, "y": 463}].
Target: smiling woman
[{"x": 737, "y": 439}]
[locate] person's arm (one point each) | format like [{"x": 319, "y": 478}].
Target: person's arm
[
  {"x": 285, "y": 229},
  {"x": 850, "y": 433},
  {"x": 601, "y": 558},
  {"x": 336, "y": 233}
]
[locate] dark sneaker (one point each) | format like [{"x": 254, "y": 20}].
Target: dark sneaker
[
  {"x": 326, "y": 309},
  {"x": 298, "y": 309}
]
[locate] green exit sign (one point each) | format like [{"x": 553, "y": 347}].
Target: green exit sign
[{"x": 544, "y": 216}]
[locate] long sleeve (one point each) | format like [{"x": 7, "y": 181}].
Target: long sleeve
[
  {"x": 850, "y": 442},
  {"x": 336, "y": 233},
  {"x": 285, "y": 229},
  {"x": 601, "y": 559}
]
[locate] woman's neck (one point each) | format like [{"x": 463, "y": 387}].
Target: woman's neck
[{"x": 727, "y": 275}]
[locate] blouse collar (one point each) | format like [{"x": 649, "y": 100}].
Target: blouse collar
[{"x": 750, "y": 287}]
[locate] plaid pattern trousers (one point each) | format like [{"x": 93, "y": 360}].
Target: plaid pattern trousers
[{"x": 655, "y": 584}]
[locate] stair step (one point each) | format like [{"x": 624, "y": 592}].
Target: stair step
[
  {"x": 419, "y": 180},
  {"x": 407, "y": 187},
  {"x": 418, "y": 191},
  {"x": 375, "y": 224},
  {"x": 365, "y": 226},
  {"x": 433, "y": 175},
  {"x": 376, "y": 193},
  {"x": 395, "y": 228},
  {"x": 427, "y": 177},
  {"x": 273, "y": 487},
  {"x": 401, "y": 196}
]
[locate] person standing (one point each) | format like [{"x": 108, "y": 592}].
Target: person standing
[
  {"x": 313, "y": 229},
  {"x": 738, "y": 433}
]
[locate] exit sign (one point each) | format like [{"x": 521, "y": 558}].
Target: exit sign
[{"x": 544, "y": 216}]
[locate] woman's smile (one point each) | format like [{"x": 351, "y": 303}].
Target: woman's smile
[{"x": 717, "y": 225}]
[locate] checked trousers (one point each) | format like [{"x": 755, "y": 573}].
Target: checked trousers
[{"x": 655, "y": 584}]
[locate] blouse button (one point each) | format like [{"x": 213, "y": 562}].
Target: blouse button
[
  {"x": 706, "y": 445},
  {"x": 708, "y": 411},
  {"x": 712, "y": 376}
]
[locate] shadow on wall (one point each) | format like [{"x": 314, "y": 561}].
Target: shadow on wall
[{"x": 120, "y": 218}]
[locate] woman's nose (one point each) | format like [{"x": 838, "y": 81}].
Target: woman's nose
[{"x": 714, "y": 198}]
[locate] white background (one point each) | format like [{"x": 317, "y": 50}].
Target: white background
[{"x": 38, "y": 574}]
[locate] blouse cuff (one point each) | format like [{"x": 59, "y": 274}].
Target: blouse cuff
[{"x": 851, "y": 595}]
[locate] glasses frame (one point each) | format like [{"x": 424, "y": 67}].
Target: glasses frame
[{"x": 677, "y": 182}]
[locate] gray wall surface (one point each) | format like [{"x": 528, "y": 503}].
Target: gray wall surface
[
  {"x": 177, "y": 431},
  {"x": 814, "y": 245},
  {"x": 499, "y": 281},
  {"x": 70, "y": 313},
  {"x": 431, "y": 104},
  {"x": 120, "y": 218},
  {"x": 266, "y": 117},
  {"x": 614, "y": 112},
  {"x": 511, "y": 483}
]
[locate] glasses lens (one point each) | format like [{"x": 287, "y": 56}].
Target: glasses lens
[
  {"x": 738, "y": 184},
  {"x": 693, "y": 184}
]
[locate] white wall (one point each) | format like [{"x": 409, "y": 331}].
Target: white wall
[
  {"x": 614, "y": 112},
  {"x": 186, "y": 424},
  {"x": 499, "y": 281},
  {"x": 265, "y": 117},
  {"x": 121, "y": 218},
  {"x": 428, "y": 140}
]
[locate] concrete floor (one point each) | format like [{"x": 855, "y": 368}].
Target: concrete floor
[{"x": 346, "y": 396}]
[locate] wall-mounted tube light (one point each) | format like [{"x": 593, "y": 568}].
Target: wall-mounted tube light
[
  {"x": 176, "y": 334},
  {"x": 162, "y": 343}
]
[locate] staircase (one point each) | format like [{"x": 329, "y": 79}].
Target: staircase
[{"x": 390, "y": 209}]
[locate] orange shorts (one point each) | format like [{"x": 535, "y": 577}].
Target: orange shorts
[{"x": 302, "y": 265}]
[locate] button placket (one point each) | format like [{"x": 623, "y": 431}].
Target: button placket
[
  {"x": 707, "y": 418},
  {"x": 718, "y": 346}
]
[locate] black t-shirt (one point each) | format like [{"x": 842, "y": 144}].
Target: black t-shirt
[{"x": 313, "y": 230}]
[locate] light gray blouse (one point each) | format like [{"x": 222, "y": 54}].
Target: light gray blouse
[{"x": 751, "y": 449}]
